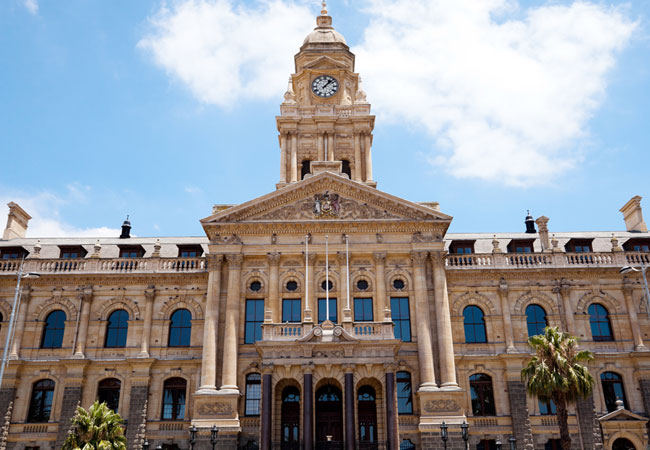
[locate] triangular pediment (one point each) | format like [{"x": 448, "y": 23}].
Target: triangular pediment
[
  {"x": 327, "y": 197},
  {"x": 325, "y": 63},
  {"x": 622, "y": 415}
]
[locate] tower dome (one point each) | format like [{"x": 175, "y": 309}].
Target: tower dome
[{"x": 324, "y": 33}]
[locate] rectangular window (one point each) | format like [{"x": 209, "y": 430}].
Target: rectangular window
[
  {"x": 254, "y": 319},
  {"x": 363, "y": 310},
  {"x": 189, "y": 251},
  {"x": 72, "y": 252},
  {"x": 521, "y": 246},
  {"x": 291, "y": 310},
  {"x": 487, "y": 444},
  {"x": 322, "y": 311},
  {"x": 579, "y": 246},
  {"x": 253, "y": 394},
  {"x": 401, "y": 318},
  {"x": 131, "y": 252},
  {"x": 13, "y": 253},
  {"x": 462, "y": 247},
  {"x": 547, "y": 408}
]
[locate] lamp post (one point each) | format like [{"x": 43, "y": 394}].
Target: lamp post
[
  {"x": 9, "y": 337},
  {"x": 499, "y": 445},
  {"x": 642, "y": 269},
  {"x": 465, "y": 434},
  {"x": 145, "y": 445},
  {"x": 214, "y": 432},
  {"x": 513, "y": 443},
  {"x": 159, "y": 447},
  {"x": 192, "y": 436},
  {"x": 443, "y": 434}
]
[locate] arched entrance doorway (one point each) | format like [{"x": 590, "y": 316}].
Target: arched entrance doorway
[
  {"x": 367, "y": 410},
  {"x": 329, "y": 418},
  {"x": 290, "y": 426},
  {"x": 623, "y": 444}
]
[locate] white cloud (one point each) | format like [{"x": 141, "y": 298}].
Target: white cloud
[
  {"x": 32, "y": 6},
  {"x": 194, "y": 190},
  {"x": 46, "y": 222},
  {"x": 225, "y": 52},
  {"x": 505, "y": 99}
]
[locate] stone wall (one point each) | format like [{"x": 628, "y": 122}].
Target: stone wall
[
  {"x": 520, "y": 415},
  {"x": 139, "y": 395},
  {"x": 432, "y": 441},
  {"x": 588, "y": 425},
  {"x": 71, "y": 399},
  {"x": 6, "y": 396}
]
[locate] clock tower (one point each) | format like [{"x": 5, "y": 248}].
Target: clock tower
[{"x": 325, "y": 123}]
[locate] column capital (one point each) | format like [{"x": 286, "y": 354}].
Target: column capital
[
  {"x": 628, "y": 286},
  {"x": 419, "y": 258},
  {"x": 438, "y": 258},
  {"x": 308, "y": 369},
  {"x": 341, "y": 257},
  {"x": 562, "y": 287},
  {"x": 274, "y": 258},
  {"x": 85, "y": 293},
  {"x": 214, "y": 261},
  {"x": 311, "y": 258},
  {"x": 390, "y": 367},
  {"x": 379, "y": 257},
  {"x": 349, "y": 368},
  {"x": 150, "y": 293},
  {"x": 267, "y": 369},
  {"x": 235, "y": 260},
  {"x": 503, "y": 286}
]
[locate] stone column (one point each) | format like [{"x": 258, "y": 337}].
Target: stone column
[
  {"x": 321, "y": 147},
  {"x": 267, "y": 400},
  {"x": 310, "y": 300},
  {"x": 308, "y": 411},
  {"x": 563, "y": 291},
  {"x": 350, "y": 437},
  {"x": 383, "y": 305},
  {"x": 425, "y": 351},
  {"x": 588, "y": 424},
  {"x": 137, "y": 404},
  {"x": 72, "y": 392},
  {"x": 357, "y": 157},
  {"x": 391, "y": 411},
  {"x": 150, "y": 295},
  {"x": 632, "y": 316},
  {"x": 519, "y": 412},
  {"x": 443, "y": 316},
  {"x": 86, "y": 297},
  {"x": 274, "y": 294},
  {"x": 294, "y": 157},
  {"x": 231, "y": 334},
  {"x": 210, "y": 324},
  {"x": 644, "y": 385},
  {"x": 25, "y": 297},
  {"x": 368, "y": 157},
  {"x": 283, "y": 158},
  {"x": 330, "y": 147},
  {"x": 347, "y": 311},
  {"x": 505, "y": 315}
]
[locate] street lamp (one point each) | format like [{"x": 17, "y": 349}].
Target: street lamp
[
  {"x": 145, "y": 445},
  {"x": 465, "y": 434},
  {"x": 499, "y": 445},
  {"x": 8, "y": 339},
  {"x": 642, "y": 269},
  {"x": 443, "y": 434},
  {"x": 513, "y": 443},
  {"x": 213, "y": 436},
  {"x": 192, "y": 436},
  {"x": 159, "y": 447}
]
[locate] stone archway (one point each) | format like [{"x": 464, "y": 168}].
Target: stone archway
[{"x": 329, "y": 418}]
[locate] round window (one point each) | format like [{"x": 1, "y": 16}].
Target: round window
[
  {"x": 362, "y": 285},
  {"x": 330, "y": 285},
  {"x": 292, "y": 286},
  {"x": 256, "y": 286},
  {"x": 398, "y": 284}
]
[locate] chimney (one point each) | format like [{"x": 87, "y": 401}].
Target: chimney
[
  {"x": 542, "y": 226},
  {"x": 530, "y": 224},
  {"x": 633, "y": 215},
  {"x": 126, "y": 229},
  {"x": 17, "y": 221}
]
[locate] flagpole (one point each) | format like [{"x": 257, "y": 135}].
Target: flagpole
[
  {"x": 347, "y": 262},
  {"x": 306, "y": 272},
  {"x": 327, "y": 281}
]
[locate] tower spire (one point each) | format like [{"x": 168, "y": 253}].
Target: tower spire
[{"x": 323, "y": 11}]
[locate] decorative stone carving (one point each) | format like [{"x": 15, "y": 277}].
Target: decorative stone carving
[
  {"x": 235, "y": 260},
  {"x": 217, "y": 409},
  {"x": 326, "y": 205},
  {"x": 419, "y": 237},
  {"x": 441, "y": 406},
  {"x": 419, "y": 258}
]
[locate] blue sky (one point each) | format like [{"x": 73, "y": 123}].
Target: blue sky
[{"x": 104, "y": 114}]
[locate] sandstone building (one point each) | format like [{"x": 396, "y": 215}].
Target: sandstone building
[{"x": 326, "y": 314}]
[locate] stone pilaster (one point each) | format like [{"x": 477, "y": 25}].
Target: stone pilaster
[
  {"x": 383, "y": 305},
  {"x": 231, "y": 335},
  {"x": 632, "y": 316},
  {"x": 357, "y": 157},
  {"x": 7, "y": 395},
  {"x": 283, "y": 158},
  {"x": 425, "y": 351},
  {"x": 25, "y": 298},
  {"x": 644, "y": 385},
  {"x": 350, "y": 435},
  {"x": 86, "y": 297},
  {"x": 368, "y": 151},
  {"x": 308, "y": 410},
  {"x": 588, "y": 424},
  {"x": 507, "y": 319},
  {"x": 520, "y": 416},
  {"x": 344, "y": 291},
  {"x": 392, "y": 441},
  {"x": 443, "y": 316},
  {"x": 150, "y": 296},
  {"x": 267, "y": 402},
  {"x": 294, "y": 158},
  {"x": 563, "y": 291},
  {"x": 139, "y": 396},
  {"x": 274, "y": 287},
  {"x": 310, "y": 298},
  {"x": 210, "y": 325},
  {"x": 71, "y": 399}
]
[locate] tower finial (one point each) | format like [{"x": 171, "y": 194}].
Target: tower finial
[{"x": 323, "y": 11}]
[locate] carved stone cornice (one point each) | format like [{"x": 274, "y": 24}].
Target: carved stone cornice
[
  {"x": 379, "y": 257},
  {"x": 274, "y": 258},
  {"x": 419, "y": 259},
  {"x": 235, "y": 260},
  {"x": 215, "y": 260}
]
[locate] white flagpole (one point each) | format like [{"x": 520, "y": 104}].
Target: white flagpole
[
  {"x": 306, "y": 272},
  {"x": 327, "y": 281},
  {"x": 347, "y": 262}
]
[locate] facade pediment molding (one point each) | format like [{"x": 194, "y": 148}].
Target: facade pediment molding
[{"x": 326, "y": 63}]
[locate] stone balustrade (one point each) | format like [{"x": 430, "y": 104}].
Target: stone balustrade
[
  {"x": 117, "y": 265},
  {"x": 360, "y": 330},
  {"x": 545, "y": 260}
]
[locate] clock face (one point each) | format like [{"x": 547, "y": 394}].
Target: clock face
[{"x": 325, "y": 86}]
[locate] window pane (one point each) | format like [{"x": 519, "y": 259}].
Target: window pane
[
  {"x": 322, "y": 311},
  {"x": 253, "y": 394},
  {"x": 254, "y": 320},
  {"x": 474, "y": 324},
  {"x": 401, "y": 318},
  {"x": 291, "y": 310},
  {"x": 180, "y": 328},
  {"x": 535, "y": 319},
  {"x": 404, "y": 396},
  {"x": 363, "y": 310}
]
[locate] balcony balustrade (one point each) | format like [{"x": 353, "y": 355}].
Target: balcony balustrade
[
  {"x": 545, "y": 260},
  {"x": 116, "y": 265},
  {"x": 360, "y": 330}
]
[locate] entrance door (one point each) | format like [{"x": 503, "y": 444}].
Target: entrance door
[
  {"x": 329, "y": 419},
  {"x": 623, "y": 444},
  {"x": 367, "y": 419},
  {"x": 290, "y": 419}
]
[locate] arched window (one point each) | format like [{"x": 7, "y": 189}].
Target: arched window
[
  {"x": 623, "y": 444},
  {"x": 547, "y": 408},
  {"x": 180, "y": 328},
  {"x": 117, "y": 329},
  {"x": 536, "y": 320},
  {"x": 54, "y": 329},
  {"x": 367, "y": 408},
  {"x": 174, "y": 399},
  {"x": 404, "y": 393},
  {"x": 474, "y": 325},
  {"x": 1, "y": 319},
  {"x": 290, "y": 418},
  {"x": 253, "y": 394},
  {"x": 601, "y": 329},
  {"x": 480, "y": 386},
  {"x": 40, "y": 405},
  {"x": 613, "y": 390},
  {"x": 345, "y": 168},
  {"x": 406, "y": 444},
  {"x": 306, "y": 169},
  {"x": 108, "y": 391}
]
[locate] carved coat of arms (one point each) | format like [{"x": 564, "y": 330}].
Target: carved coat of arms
[{"x": 326, "y": 205}]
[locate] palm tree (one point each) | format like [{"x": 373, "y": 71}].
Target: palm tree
[
  {"x": 99, "y": 428},
  {"x": 556, "y": 373}
]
